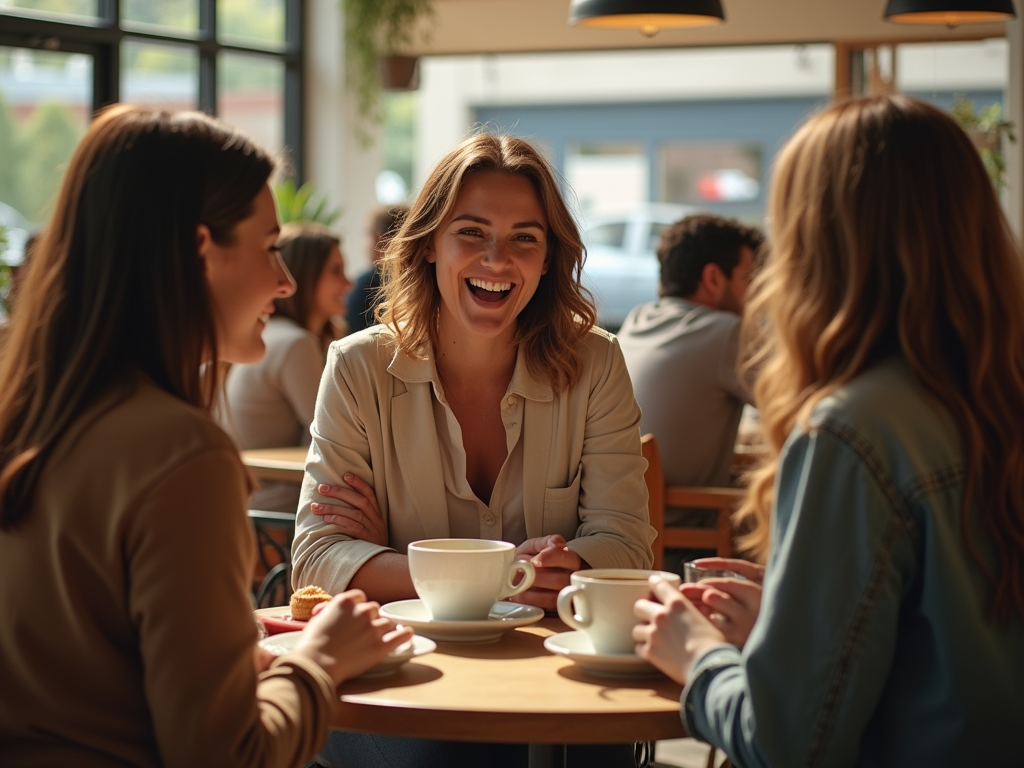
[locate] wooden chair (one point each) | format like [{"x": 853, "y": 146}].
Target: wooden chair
[{"x": 660, "y": 496}]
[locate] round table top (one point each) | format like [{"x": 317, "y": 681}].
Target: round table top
[{"x": 511, "y": 690}]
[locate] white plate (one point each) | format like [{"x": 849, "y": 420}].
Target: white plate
[
  {"x": 577, "y": 646},
  {"x": 504, "y": 616},
  {"x": 285, "y": 641}
]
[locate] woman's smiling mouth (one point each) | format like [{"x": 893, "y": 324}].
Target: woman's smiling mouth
[{"x": 489, "y": 291}]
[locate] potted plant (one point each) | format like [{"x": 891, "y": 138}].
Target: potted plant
[
  {"x": 986, "y": 128},
  {"x": 376, "y": 32},
  {"x": 303, "y": 204}
]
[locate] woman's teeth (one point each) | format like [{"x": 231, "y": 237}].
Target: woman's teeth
[{"x": 487, "y": 285}]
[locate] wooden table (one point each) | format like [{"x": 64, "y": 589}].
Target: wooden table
[
  {"x": 512, "y": 690},
  {"x": 286, "y": 464}
]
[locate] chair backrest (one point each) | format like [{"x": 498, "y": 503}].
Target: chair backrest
[
  {"x": 660, "y": 497},
  {"x": 274, "y": 534}
]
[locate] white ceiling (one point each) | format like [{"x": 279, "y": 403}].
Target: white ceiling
[{"x": 493, "y": 26}]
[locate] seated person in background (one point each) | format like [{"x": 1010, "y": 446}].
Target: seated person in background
[
  {"x": 365, "y": 293},
  {"x": 486, "y": 405},
  {"x": 887, "y": 330},
  {"x": 269, "y": 403},
  {"x": 682, "y": 354},
  {"x": 125, "y": 550}
]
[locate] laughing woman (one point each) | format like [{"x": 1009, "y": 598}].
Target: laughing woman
[{"x": 485, "y": 406}]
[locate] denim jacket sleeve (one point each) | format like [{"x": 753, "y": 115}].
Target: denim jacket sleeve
[{"x": 811, "y": 674}]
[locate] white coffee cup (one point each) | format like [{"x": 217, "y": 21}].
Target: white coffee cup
[
  {"x": 461, "y": 579},
  {"x": 599, "y": 603}
]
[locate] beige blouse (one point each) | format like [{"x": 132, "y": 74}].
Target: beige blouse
[{"x": 574, "y": 464}]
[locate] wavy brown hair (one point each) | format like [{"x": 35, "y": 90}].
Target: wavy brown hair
[
  {"x": 561, "y": 312},
  {"x": 887, "y": 235},
  {"x": 116, "y": 284}
]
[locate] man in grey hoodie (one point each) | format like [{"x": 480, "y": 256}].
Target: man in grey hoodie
[{"x": 682, "y": 351}]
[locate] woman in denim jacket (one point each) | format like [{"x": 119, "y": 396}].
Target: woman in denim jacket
[{"x": 890, "y": 348}]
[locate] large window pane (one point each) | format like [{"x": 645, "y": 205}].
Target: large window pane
[
  {"x": 45, "y": 104},
  {"x": 67, "y": 10},
  {"x": 165, "y": 76},
  {"x": 708, "y": 172},
  {"x": 251, "y": 96},
  {"x": 612, "y": 174},
  {"x": 166, "y": 15},
  {"x": 251, "y": 22}
]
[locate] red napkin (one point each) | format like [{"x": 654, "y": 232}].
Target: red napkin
[{"x": 282, "y": 623}]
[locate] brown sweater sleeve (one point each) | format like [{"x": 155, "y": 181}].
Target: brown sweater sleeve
[{"x": 190, "y": 558}]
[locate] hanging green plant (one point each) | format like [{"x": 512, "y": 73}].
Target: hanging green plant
[
  {"x": 375, "y": 29},
  {"x": 986, "y": 128},
  {"x": 303, "y": 204}
]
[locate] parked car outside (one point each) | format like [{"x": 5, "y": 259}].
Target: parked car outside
[{"x": 622, "y": 266}]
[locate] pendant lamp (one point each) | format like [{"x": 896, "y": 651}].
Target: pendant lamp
[
  {"x": 646, "y": 15},
  {"x": 948, "y": 12}
]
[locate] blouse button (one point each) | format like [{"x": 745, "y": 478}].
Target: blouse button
[
  {"x": 511, "y": 400},
  {"x": 489, "y": 519}
]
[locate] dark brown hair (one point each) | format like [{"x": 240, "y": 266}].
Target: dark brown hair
[
  {"x": 305, "y": 247},
  {"x": 694, "y": 242},
  {"x": 117, "y": 284}
]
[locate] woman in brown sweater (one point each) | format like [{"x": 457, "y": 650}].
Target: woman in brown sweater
[{"x": 125, "y": 551}]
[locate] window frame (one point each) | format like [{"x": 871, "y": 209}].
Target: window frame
[{"x": 102, "y": 40}]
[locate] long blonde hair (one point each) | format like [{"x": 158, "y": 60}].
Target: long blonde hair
[
  {"x": 887, "y": 236},
  {"x": 560, "y": 312}
]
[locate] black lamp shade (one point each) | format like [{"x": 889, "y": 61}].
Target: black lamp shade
[
  {"x": 949, "y": 12},
  {"x": 646, "y": 14}
]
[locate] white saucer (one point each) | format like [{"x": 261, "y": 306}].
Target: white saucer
[
  {"x": 577, "y": 646},
  {"x": 504, "y": 616},
  {"x": 285, "y": 641}
]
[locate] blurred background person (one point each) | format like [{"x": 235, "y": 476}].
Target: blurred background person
[
  {"x": 384, "y": 223},
  {"x": 269, "y": 404},
  {"x": 682, "y": 353}
]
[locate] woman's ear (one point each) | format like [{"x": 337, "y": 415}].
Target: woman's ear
[{"x": 204, "y": 241}]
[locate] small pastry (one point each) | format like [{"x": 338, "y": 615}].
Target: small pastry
[{"x": 303, "y": 600}]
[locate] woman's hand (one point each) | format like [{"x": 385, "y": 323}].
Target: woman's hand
[
  {"x": 674, "y": 632},
  {"x": 732, "y": 605},
  {"x": 358, "y": 515},
  {"x": 262, "y": 658},
  {"x": 347, "y": 636},
  {"x": 554, "y": 563}
]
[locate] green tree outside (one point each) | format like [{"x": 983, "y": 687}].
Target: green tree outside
[
  {"x": 54, "y": 133},
  {"x": 10, "y": 189}
]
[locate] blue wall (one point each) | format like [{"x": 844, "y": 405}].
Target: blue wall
[{"x": 766, "y": 122}]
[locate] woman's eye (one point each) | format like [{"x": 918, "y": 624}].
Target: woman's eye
[{"x": 469, "y": 231}]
